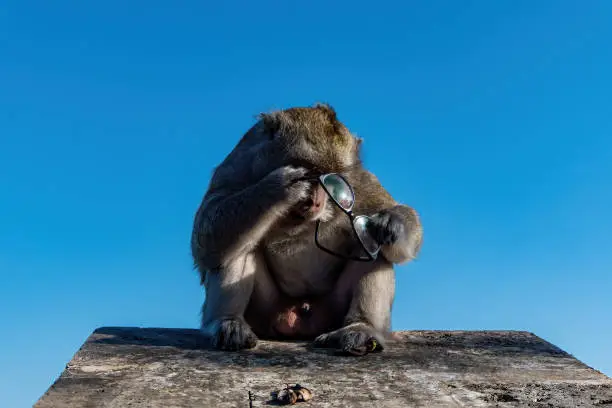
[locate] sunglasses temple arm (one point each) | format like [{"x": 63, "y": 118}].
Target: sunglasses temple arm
[{"x": 352, "y": 258}]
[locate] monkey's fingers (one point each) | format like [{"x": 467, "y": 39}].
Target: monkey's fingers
[{"x": 353, "y": 351}]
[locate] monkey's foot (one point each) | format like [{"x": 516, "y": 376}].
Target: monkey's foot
[
  {"x": 233, "y": 335},
  {"x": 356, "y": 339}
]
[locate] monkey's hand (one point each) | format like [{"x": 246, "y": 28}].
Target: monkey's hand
[
  {"x": 398, "y": 231},
  {"x": 231, "y": 335},
  {"x": 386, "y": 227},
  {"x": 288, "y": 182}
]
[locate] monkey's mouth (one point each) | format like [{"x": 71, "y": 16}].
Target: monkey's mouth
[{"x": 313, "y": 207}]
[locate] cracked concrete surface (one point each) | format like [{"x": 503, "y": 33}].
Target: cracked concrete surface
[{"x": 136, "y": 367}]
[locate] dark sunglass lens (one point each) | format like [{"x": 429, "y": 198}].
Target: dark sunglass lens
[
  {"x": 370, "y": 244},
  {"x": 339, "y": 190}
]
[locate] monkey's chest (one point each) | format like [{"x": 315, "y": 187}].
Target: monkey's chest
[{"x": 304, "y": 271}]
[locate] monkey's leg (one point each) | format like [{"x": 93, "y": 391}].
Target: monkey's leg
[
  {"x": 370, "y": 289},
  {"x": 265, "y": 301},
  {"x": 240, "y": 300},
  {"x": 228, "y": 290}
]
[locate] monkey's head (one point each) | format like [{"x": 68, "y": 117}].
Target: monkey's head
[
  {"x": 307, "y": 137},
  {"x": 313, "y": 138}
]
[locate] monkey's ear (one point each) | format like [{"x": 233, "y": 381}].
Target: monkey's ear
[
  {"x": 358, "y": 142},
  {"x": 270, "y": 122},
  {"x": 327, "y": 108}
]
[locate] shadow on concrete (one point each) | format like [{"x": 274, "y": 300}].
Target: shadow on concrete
[
  {"x": 433, "y": 350},
  {"x": 188, "y": 339}
]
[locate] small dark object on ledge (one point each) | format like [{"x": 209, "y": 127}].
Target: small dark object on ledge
[{"x": 291, "y": 395}]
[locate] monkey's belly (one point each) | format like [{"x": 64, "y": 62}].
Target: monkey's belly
[
  {"x": 305, "y": 279},
  {"x": 307, "y": 273}
]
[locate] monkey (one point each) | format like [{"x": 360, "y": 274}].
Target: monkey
[{"x": 276, "y": 254}]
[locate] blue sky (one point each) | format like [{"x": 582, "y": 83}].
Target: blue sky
[{"x": 492, "y": 119}]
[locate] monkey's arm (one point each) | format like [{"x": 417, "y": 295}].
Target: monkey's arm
[
  {"x": 229, "y": 225},
  {"x": 395, "y": 226}
]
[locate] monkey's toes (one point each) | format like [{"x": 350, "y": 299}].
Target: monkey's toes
[
  {"x": 352, "y": 340},
  {"x": 233, "y": 335},
  {"x": 325, "y": 340},
  {"x": 360, "y": 342}
]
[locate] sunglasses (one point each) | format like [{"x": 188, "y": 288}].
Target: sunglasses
[{"x": 341, "y": 192}]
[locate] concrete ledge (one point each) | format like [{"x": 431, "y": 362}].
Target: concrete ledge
[{"x": 136, "y": 367}]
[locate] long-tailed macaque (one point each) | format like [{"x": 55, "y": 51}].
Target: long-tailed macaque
[{"x": 253, "y": 240}]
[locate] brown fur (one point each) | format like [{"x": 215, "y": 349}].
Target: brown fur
[{"x": 253, "y": 238}]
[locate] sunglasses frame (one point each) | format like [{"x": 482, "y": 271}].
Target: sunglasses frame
[{"x": 371, "y": 256}]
